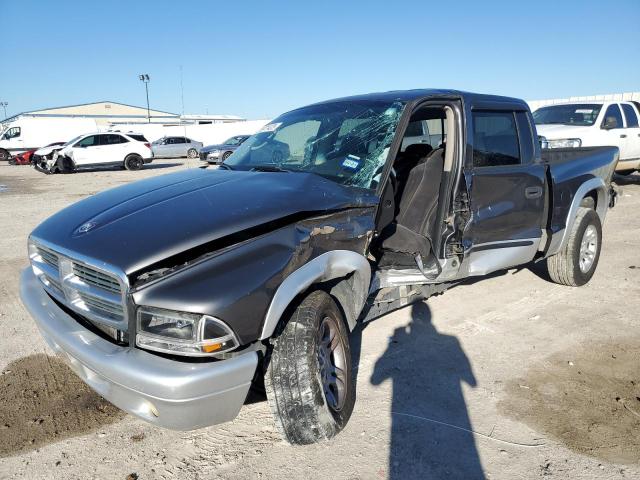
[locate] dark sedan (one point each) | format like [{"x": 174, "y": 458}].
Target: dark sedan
[{"x": 219, "y": 153}]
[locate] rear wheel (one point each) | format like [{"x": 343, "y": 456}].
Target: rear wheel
[
  {"x": 192, "y": 153},
  {"x": 309, "y": 379},
  {"x": 133, "y": 162},
  {"x": 4, "y": 155},
  {"x": 576, "y": 263}
]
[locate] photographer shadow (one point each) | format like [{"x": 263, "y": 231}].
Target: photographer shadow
[{"x": 430, "y": 431}]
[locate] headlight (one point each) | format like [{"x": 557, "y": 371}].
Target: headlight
[
  {"x": 564, "y": 143},
  {"x": 182, "y": 333}
]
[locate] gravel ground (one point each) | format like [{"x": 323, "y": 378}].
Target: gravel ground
[{"x": 508, "y": 377}]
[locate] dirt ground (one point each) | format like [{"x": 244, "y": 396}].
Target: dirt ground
[{"x": 505, "y": 378}]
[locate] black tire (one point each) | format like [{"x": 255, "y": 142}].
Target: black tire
[
  {"x": 192, "y": 153},
  {"x": 625, "y": 172},
  {"x": 568, "y": 267},
  {"x": 133, "y": 162},
  {"x": 295, "y": 380},
  {"x": 226, "y": 155},
  {"x": 63, "y": 165},
  {"x": 4, "y": 155}
]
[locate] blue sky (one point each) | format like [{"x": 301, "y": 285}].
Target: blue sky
[{"x": 258, "y": 59}]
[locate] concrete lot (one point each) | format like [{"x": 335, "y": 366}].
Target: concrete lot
[{"x": 509, "y": 377}]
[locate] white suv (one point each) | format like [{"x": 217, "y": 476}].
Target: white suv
[{"x": 130, "y": 150}]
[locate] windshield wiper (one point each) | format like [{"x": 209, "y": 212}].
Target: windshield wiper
[{"x": 268, "y": 168}]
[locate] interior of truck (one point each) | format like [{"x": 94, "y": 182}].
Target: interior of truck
[{"x": 408, "y": 217}]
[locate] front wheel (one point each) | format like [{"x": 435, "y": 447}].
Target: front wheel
[
  {"x": 133, "y": 162},
  {"x": 4, "y": 155},
  {"x": 192, "y": 153},
  {"x": 309, "y": 379},
  {"x": 625, "y": 172},
  {"x": 226, "y": 155},
  {"x": 576, "y": 263}
]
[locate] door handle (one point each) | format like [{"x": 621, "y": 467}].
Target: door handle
[
  {"x": 532, "y": 192},
  {"x": 624, "y": 135}
]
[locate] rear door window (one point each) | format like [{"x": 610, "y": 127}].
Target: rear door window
[
  {"x": 495, "y": 139},
  {"x": 113, "y": 139},
  {"x": 613, "y": 117},
  {"x": 630, "y": 115}
]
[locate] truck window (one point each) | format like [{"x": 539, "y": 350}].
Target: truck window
[
  {"x": 495, "y": 139},
  {"x": 612, "y": 117},
  {"x": 299, "y": 136},
  {"x": 630, "y": 115}
]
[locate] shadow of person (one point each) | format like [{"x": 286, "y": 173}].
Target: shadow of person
[{"x": 430, "y": 437}]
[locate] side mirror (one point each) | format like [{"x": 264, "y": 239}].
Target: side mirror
[{"x": 609, "y": 123}]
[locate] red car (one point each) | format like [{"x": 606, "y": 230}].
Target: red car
[{"x": 22, "y": 159}]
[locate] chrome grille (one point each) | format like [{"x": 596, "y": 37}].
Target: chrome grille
[
  {"x": 48, "y": 256},
  {"x": 96, "y": 278},
  {"x": 94, "y": 293},
  {"x": 106, "y": 307}
]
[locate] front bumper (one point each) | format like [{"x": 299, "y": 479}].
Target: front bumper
[{"x": 168, "y": 393}]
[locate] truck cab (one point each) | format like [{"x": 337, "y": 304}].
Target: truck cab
[{"x": 175, "y": 295}]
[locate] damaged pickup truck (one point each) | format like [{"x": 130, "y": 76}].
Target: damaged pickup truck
[{"x": 172, "y": 296}]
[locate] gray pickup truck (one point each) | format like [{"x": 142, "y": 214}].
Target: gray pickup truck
[{"x": 172, "y": 296}]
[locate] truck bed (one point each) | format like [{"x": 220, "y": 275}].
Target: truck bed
[{"x": 594, "y": 155}]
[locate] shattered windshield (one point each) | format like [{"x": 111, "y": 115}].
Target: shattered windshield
[
  {"x": 346, "y": 142},
  {"x": 584, "y": 114}
]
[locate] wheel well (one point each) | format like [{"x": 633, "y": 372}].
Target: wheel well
[{"x": 590, "y": 200}]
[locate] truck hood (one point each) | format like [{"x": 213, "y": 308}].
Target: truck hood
[
  {"x": 555, "y": 132},
  {"x": 137, "y": 225}
]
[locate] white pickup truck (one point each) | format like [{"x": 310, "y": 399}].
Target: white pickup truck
[{"x": 593, "y": 124}]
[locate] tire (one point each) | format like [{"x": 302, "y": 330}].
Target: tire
[
  {"x": 4, "y": 155},
  {"x": 625, "y": 172},
  {"x": 63, "y": 165},
  {"x": 133, "y": 162},
  {"x": 576, "y": 263},
  {"x": 226, "y": 155},
  {"x": 308, "y": 403},
  {"x": 192, "y": 153}
]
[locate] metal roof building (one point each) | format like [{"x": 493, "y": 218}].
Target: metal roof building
[{"x": 112, "y": 113}]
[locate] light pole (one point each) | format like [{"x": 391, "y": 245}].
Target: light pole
[
  {"x": 144, "y": 77},
  {"x": 4, "y": 106}
]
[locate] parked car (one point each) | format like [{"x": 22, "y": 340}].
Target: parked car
[
  {"x": 176, "y": 147},
  {"x": 591, "y": 124},
  {"x": 175, "y": 324},
  {"x": 43, "y": 154},
  {"x": 30, "y": 133},
  {"x": 219, "y": 153},
  {"x": 22, "y": 158},
  {"x": 129, "y": 150}
]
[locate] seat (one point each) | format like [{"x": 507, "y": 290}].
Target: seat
[
  {"x": 406, "y": 162},
  {"x": 406, "y": 242}
]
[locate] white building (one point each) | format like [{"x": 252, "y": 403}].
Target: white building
[
  {"x": 108, "y": 113},
  {"x": 629, "y": 96}
]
